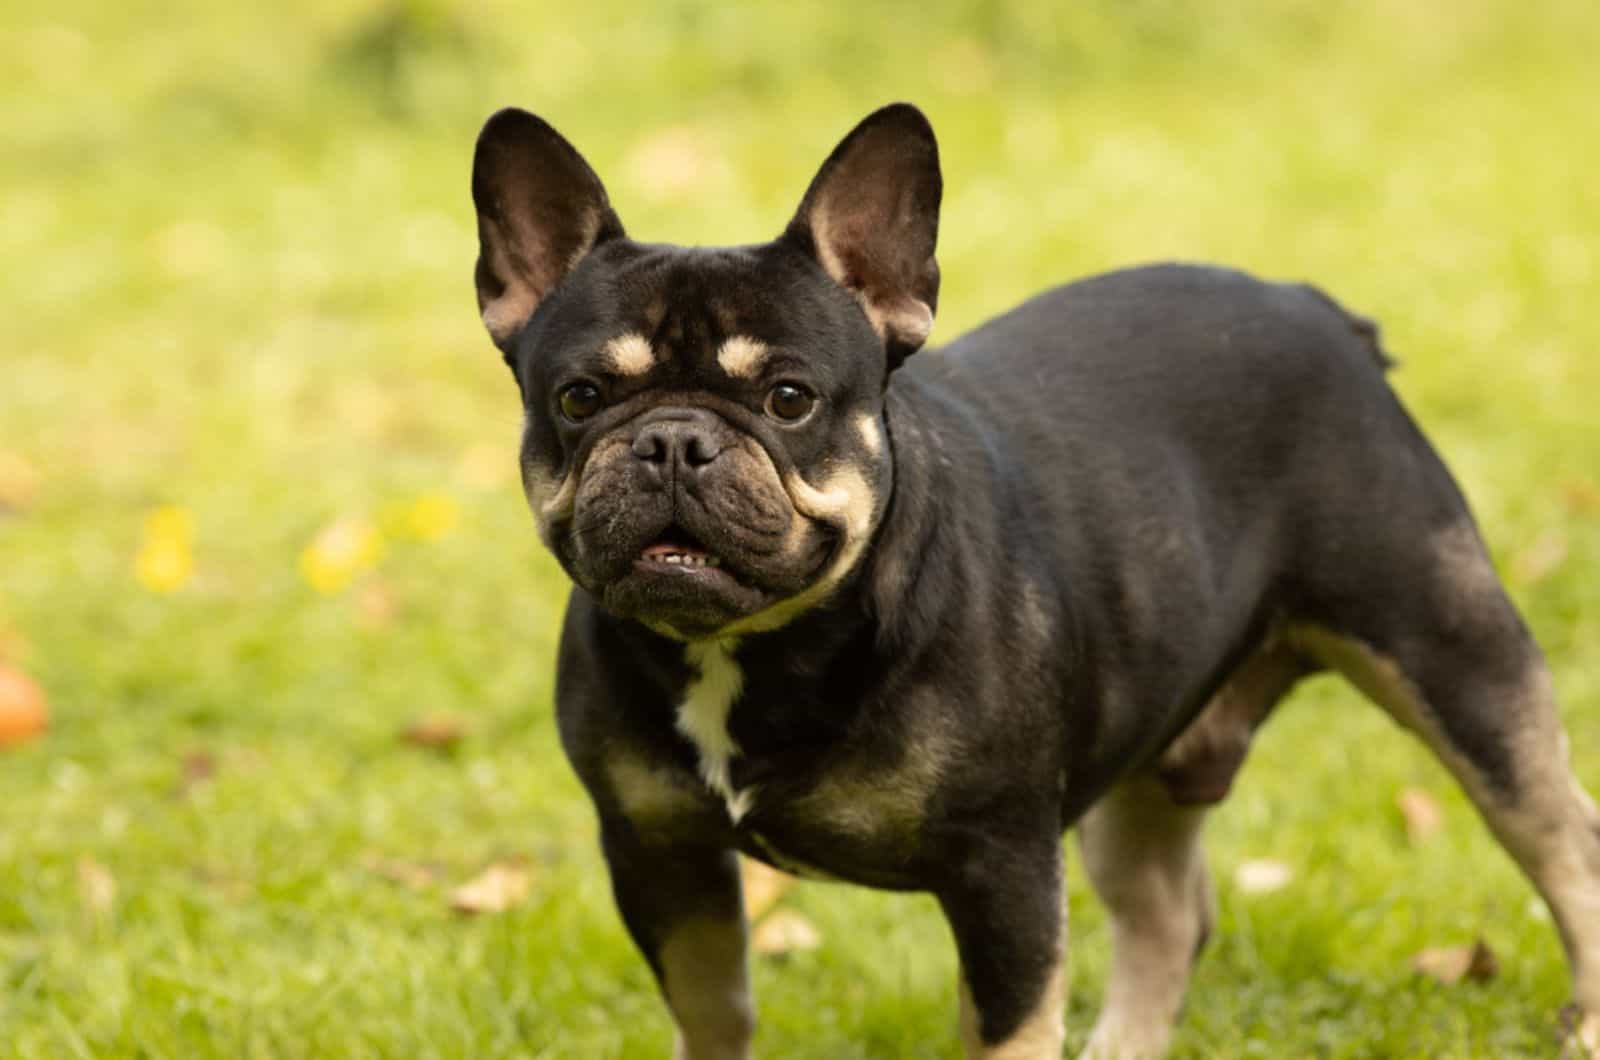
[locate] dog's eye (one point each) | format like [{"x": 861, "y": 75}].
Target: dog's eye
[
  {"x": 580, "y": 401},
  {"x": 790, "y": 403}
]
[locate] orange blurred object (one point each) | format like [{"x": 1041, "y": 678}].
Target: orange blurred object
[{"x": 22, "y": 711}]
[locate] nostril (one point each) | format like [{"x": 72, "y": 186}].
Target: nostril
[
  {"x": 650, "y": 447},
  {"x": 700, "y": 450}
]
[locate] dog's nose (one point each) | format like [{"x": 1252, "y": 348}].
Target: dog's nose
[{"x": 685, "y": 445}]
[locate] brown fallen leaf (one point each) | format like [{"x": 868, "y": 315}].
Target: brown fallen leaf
[
  {"x": 197, "y": 770},
  {"x": 763, "y": 886},
  {"x": 375, "y": 605},
  {"x": 23, "y": 714},
  {"x": 96, "y": 887},
  {"x": 1262, "y": 876},
  {"x": 1540, "y": 559},
  {"x": 1582, "y": 496},
  {"x": 1421, "y": 814},
  {"x": 1453, "y": 964},
  {"x": 675, "y": 163},
  {"x": 438, "y": 731},
  {"x": 499, "y": 887},
  {"x": 486, "y": 466},
  {"x": 412, "y": 875},
  {"x": 784, "y": 931}
]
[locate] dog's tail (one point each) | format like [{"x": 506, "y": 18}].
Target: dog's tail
[{"x": 1366, "y": 328}]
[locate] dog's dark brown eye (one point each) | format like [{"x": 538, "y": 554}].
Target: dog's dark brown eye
[
  {"x": 790, "y": 403},
  {"x": 580, "y": 401}
]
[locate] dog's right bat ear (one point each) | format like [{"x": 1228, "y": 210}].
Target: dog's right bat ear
[{"x": 541, "y": 209}]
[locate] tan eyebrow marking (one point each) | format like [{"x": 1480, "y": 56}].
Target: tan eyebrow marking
[
  {"x": 630, "y": 354},
  {"x": 741, "y": 356}
]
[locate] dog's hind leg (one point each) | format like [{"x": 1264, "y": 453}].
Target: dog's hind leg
[
  {"x": 1143, "y": 856},
  {"x": 1141, "y": 847},
  {"x": 1448, "y": 657}
]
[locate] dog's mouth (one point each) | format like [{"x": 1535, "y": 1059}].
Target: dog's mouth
[{"x": 677, "y": 551}]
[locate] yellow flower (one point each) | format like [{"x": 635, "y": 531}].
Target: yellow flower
[
  {"x": 165, "y": 561},
  {"x": 431, "y": 516},
  {"x": 339, "y": 553}
]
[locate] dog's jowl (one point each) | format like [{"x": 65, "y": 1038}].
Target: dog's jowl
[{"x": 901, "y": 618}]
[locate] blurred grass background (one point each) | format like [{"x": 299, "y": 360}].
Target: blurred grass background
[{"x": 258, "y": 510}]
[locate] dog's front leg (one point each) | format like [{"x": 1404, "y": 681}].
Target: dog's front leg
[
  {"x": 685, "y": 910},
  {"x": 1005, "y": 909}
]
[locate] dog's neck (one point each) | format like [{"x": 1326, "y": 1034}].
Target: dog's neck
[{"x": 918, "y": 531}]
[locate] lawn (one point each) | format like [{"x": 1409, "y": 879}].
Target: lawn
[{"x": 259, "y": 517}]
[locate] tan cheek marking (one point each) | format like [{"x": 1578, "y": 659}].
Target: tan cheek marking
[
  {"x": 630, "y": 354},
  {"x": 844, "y": 498},
  {"x": 871, "y": 433},
  {"x": 742, "y": 357},
  {"x": 549, "y": 499},
  {"x": 703, "y": 976}
]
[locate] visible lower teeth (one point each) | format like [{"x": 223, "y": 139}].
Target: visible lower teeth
[{"x": 678, "y": 559}]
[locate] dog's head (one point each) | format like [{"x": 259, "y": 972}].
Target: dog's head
[{"x": 704, "y": 446}]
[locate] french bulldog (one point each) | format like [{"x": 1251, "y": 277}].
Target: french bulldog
[{"x": 904, "y": 620}]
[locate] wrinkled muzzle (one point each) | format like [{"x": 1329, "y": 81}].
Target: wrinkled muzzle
[{"x": 684, "y": 523}]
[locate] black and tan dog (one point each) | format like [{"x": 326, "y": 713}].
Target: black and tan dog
[{"x": 904, "y": 622}]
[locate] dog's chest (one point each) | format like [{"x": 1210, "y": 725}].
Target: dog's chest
[
  {"x": 837, "y": 814},
  {"x": 703, "y": 720}
]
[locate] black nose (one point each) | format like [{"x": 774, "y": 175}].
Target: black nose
[{"x": 685, "y": 445}]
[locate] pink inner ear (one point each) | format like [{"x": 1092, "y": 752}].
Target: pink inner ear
[
  {"x": 505, "y": 316},
  {"x": 844, "y": 242},
  {"x": 907, "y": 320}
]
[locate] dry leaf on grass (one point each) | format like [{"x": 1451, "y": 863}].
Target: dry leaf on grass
[
  {"x": 1453, "y": 964},
  {"x": 96, "y": 886},
  {"x": 485, "y": 466},
  {"x": 1582, "y": 496},
  {"x": 375, "y": 606},
  {"x": 438, "y": 731},
  {"x": 784, "y": 931},
  {"x": 1421, "y": 814},
  {"x": 197, "y": 770},
  {"x": 675, "y": 163},
  {"x": 1262, "y": 876},
  {"x": 1541, "y": 559},
  {"x": 763, "y": 886},
  {"x": 497, "y": 888},
  {"x": 412, "y": 875}
]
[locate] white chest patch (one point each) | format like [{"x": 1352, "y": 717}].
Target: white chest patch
[{"x": 703, "y": 718}]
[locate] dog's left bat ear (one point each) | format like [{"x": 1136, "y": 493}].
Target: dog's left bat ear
[
  {"x": 871, "y": 220},
  {"x": 541, "y": 209}
]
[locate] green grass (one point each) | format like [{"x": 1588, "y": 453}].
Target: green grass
[{"x": 235, "y": 244}]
